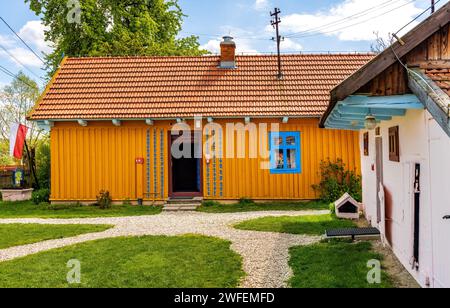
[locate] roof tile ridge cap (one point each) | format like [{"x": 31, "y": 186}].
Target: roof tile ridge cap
[{"x": 138, "y": 57}]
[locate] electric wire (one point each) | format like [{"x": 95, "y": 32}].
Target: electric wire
[{"x": 18, "y": 36}]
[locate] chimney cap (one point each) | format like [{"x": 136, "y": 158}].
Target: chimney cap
[{"x": 228, "y": 38}]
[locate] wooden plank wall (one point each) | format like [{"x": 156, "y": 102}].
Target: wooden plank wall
[
  {"x": 393, "y": 81},
  {"x": 86, "y": 160}
]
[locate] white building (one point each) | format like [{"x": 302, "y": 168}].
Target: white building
[{"x": 403, "y": 96}]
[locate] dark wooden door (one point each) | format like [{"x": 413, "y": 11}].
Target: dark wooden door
[{"x": 185, "y": 174}]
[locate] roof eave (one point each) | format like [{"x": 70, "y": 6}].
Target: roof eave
[{"x": 385, "y": 59}]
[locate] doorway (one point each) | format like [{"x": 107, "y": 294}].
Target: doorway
[
  {"x": 379, "y": 172},
  {"x": 185, "y": 172}
]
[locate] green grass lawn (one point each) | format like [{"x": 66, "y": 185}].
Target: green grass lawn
[
  {"x": 214, "y": 207},
  {"x": 22, "y": 234},
  {"x": 136, "y": 262},
  {"x": 310, "y": 225},
  {"x": 334, "y": 265},
  {"x": 30, "y": 210}
]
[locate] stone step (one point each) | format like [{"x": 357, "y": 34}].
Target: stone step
[
  {"x": 179, "y": 208},
  {"x": 184, "y": 201},
  {"x": 183, "y": 205}
]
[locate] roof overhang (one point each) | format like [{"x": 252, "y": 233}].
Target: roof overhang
[
  {"x": 432, "y": 96},
  {"x": 351, "y": 113},
  {"x": 387, "y": 58}
]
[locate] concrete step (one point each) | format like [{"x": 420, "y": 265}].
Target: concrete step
[{"x": 184, "y": 201}]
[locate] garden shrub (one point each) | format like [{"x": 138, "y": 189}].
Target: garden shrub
[
  {"x": 104, "y": 200},
  {"x": 41, "y": 196},
  {"x": 246, "y": 201},
  {"x": 337, "y": 180},
  {"x": 210, "y": 203},
  {"x": 332, "y": 209},
  {"x": 43, "y": 164}
]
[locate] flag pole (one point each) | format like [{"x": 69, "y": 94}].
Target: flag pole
[{"x": 32, "y": 169}]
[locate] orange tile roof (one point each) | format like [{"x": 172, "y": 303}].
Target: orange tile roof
[
  {"x": 441, "y": 77},
  {"x": 184, "y": 87}
]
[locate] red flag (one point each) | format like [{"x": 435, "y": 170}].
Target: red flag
[{"x": 17, "y": 140}]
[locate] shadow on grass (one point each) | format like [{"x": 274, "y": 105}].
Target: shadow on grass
[
  {"x": 308, "y": 225},
  {"x": 335, "y": 264}
]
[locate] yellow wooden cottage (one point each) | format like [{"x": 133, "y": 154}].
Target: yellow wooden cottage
[{"x": 113, "y": 124}]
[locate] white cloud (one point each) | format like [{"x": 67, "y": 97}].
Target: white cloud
[
  {"x": 290, "y": 45},
  {"x": 212, "y": 46},
  {"x": 25, "y": 57},
  {"x": 242, "y": 46},
  {"x": 261, "y": 5},
  {"x": 33, "y": 34},
  {"x": 386, "y": 18},
  {"x": 243, "y": 38}
]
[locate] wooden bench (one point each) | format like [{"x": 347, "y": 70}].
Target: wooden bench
[{"x": 353, "y": 233}]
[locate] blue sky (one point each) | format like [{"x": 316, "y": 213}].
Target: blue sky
[{"x": 319, "y": 25}]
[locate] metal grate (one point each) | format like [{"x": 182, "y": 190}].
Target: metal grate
[{"x": 353, "y": 232}]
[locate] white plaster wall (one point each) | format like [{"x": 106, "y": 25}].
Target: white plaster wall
[{"x": 399, "y": 179}]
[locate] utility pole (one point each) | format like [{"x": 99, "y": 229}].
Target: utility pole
[
  {"x": 433, "y": 7},
  {"x": 275, "y": 23}
]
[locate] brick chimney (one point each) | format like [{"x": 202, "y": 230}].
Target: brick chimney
[{"x": 227, "y": 53}]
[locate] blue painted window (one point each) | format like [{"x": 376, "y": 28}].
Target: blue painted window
[{"x": 285, "y": 156}]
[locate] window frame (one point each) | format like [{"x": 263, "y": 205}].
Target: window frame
[
  {"x": 394, "y": 144},
  {"x": 285, "y": 147},
  {"x": 366, "y": 144}
]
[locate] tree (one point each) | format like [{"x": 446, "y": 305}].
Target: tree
[
  {"x": 113, "y": 27},
  {"x": 381, "y": 43},
  {"x": 43, "y": 165},
  {"x": 16, "y": 101}
]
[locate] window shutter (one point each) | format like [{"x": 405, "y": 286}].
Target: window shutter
[
  {"x": 366, "y": 144},
  {"x": 394, "y": 144}
]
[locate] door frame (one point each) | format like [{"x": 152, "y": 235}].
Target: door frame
[
  {"x": 172, "y": 193},
  {"x": 379, "y": 171}
]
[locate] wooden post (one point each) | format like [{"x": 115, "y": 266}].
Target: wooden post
[{"x": 32, "y": 169}]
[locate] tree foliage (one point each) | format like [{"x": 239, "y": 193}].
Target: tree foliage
[
  {"x": 114, "y": 27},
  {"x": 16, "y": 101},
  {"x": 43, "y": 165}
]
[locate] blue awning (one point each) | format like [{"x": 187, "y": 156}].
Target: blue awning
[{"x": 351, "y": 113}]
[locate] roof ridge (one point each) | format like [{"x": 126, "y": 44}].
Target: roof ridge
[{"x": 216, "y": 55}]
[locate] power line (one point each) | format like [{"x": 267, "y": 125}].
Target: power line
[
  {"x": 18, "y": 36},
  {"x": 432, "y": 8},
  {"x": 316, "y": 29},
  {"x": 342, "y": 20},
  {"x": 355, "y": 24},
  {"x": 11, "y": 74},
  {"x": 18, "y": 61},
  {"x": 215, "y": 36}
]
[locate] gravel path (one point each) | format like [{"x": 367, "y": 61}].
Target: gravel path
[{"x": 265, "y": 255}]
